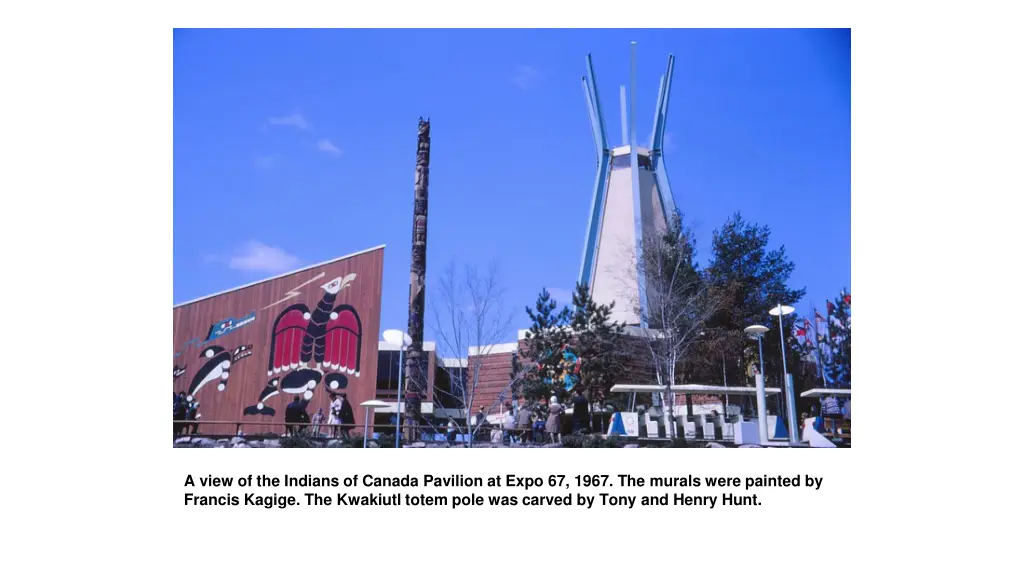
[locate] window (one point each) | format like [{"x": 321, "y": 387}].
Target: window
[
  {"x": 448, "y": 386},
  {"x": 387, "y": 372}
]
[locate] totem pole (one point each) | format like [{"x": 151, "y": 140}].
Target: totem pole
[{"x": 415, "y": 360}]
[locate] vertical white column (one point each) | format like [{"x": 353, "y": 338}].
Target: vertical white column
[{"x": 762, "y": 410}]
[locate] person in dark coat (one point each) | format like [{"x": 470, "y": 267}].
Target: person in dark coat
[
  {"x": 192, "y": 416},
  {"x": 348, "y": 419},
  {"x": 580, "y": 413},
  {"x": 295, "y": 414},
  {"x": 180, "y": 409}
]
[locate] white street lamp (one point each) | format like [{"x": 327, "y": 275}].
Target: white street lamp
[
  {"x": 366, "y": 425},
  {"x": 757, "y": 331},
  {"x": 403, "y": 341},
  {"x": 781, "y": 311}
]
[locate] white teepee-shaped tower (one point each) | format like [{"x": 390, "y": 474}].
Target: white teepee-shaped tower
[{"x": 631, "y": 200}]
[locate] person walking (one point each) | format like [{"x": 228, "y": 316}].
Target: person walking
[
  {"x": 335, "y": 418},
  {"x": 524, "y": 420},
  {"x": 318, "y": 419},
  {"x": 554, "y": 423},
  {"x": 508, "y": 423},
  {"x": 452, "y": 429}
]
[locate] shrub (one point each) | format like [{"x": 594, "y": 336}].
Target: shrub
[
  {"x": 352, "y": 441},
  {"x": 573, "y": 441},
  {"x": 613, "y": 442},
  {"x": 591, "y": 441},
  {"x": 297, "y": 441},
  {"x": 384, "y": 441}
]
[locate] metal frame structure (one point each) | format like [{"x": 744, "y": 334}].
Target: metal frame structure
[{"x": 592, "y": 240}]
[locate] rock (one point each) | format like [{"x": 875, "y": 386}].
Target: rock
[
  {"x": 714, "y": 445},
  {"x": 749, "y": 446},
  {"x": 417, "y": 445},
  {"x": 241, "y": 445},
  {"x": 182, "y": 440},
  {"x": 237, "y": 440},
  {"x": 631, "y": 446},
  {"x": 373, "y": 444},
  {"x": 335, "y": 443},
  {"x": 272, "y": 443}
]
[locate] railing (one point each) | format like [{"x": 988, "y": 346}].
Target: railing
[{"x": 411, "y": 432}]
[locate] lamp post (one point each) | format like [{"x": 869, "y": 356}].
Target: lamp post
[
  {"x": 781, "y": 311},
  {"x": 757, "y": 331},
  {"x": 366, "y": 425},
  {"x": 403, "y": 341}
]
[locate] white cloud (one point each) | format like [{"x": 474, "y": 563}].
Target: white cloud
[
  {"x": 325, "y": 145},
  {"x": 561, "y": 295},
  {"x": 526, "y": 77},
  {"x": 256, "y": 256},
  {"x": 295, "y": 119}
]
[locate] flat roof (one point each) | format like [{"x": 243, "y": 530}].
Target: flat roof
[
  {"x": 303, "y": 269},
  {"x": 688, "y": 389},
  {"x": 819, "y": 392}
]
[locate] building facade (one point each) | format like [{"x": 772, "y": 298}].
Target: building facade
[{"x": 245, "y": 353}]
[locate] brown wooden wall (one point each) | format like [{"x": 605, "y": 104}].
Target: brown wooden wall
[{"x": 248, "y": 377}]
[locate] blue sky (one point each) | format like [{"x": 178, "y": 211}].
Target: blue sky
[{"x": 293, "y": 147}]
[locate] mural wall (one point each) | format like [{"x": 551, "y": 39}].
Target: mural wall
[{"x": 244, "y": 354}]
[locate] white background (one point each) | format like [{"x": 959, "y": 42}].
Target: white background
[{"x": 86, "y": 174}]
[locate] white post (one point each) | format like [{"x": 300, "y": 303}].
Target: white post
[
  {"x": 794, "y": 438},
  {"x": 366, "y": 425},
  {"x": 762, "y": 412}
]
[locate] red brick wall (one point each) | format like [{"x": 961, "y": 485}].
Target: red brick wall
[{"x": 494, "y": 377}]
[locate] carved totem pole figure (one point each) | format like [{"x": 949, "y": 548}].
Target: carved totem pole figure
[{"x": 415, "y": 361}]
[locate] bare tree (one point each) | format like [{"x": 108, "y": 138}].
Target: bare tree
[
  {"x": 673, "y": 302},
  {"x": 468, "y": 315}
]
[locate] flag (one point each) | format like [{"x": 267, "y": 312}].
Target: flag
[
  {"x": 831, "y": 309},
  {"x": 818, "y": 316}
]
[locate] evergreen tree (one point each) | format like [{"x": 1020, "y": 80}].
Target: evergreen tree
[
  {"x": 750, "y": 279},
  {"x": 547, "y": 336},
  {"x": 839, "y": 342},
  {"x": 597, "y": 342}
]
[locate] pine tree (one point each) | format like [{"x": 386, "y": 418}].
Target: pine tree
[
  {"x": 545, "y": 340},
  {"x": 597, "y": 342},
  {"x": 751, "y": 280},
  {"x": 839, "y": 340}
]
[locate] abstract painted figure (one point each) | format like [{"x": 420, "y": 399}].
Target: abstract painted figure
[
  {"x": 216, "y": 365},
  {"x": 309, "y": 346}
]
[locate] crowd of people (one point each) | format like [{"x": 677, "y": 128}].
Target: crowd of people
[
  {"x": 538, "y": 422},
  {"x": 338, "y": 424},
  {"x": 541, "y": 421},
  {"x": 296, "y": 417}
]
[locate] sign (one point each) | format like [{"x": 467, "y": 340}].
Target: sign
[{"x": 624, "y": 424}]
